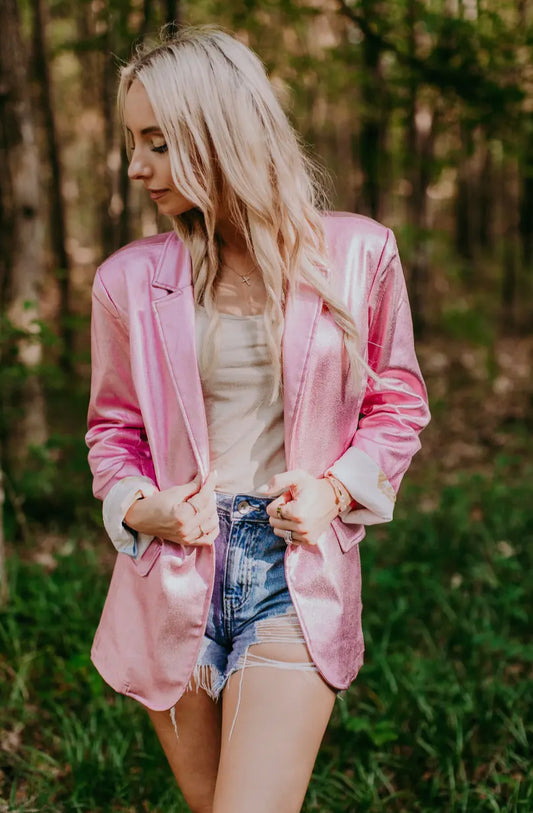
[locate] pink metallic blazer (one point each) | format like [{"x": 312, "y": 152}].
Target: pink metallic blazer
[{"x": 147, "y": 422}]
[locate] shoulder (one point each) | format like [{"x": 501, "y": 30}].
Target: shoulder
[
  {"x": 140, "y": 254},
  {"x": 359, "y": 249},
  {"x": 161, "y": 260},
  {"x": 347, "y": 231}
]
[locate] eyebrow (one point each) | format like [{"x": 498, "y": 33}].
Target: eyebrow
[{"x": 147, "y": 130}]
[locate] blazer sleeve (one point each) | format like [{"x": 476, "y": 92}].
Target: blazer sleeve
[
  {"x": 394, "y": 408},
  {"x": 119, "y": 455}
]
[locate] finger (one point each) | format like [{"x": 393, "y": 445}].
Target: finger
[
  {"x": 285, "y": 508},
  {"x": 194, "y": 539},
  {"x": 283, "y": 525},
  {"x": 286, "y": 481},
  {"x": 183, "y": 492},
  {"x": 206, "y": 519},
  {"x": 208, "y": 525},
  {"x": 203, "y": 526},
  {"x": 185, "y": 514},
  {"x": 274, "y": 507},
  {"x": 297, "y": 539},
  {"x": 206, "y": 495},
  {"x": 204, "y": 540}
]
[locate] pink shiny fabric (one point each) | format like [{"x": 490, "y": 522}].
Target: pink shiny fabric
[{"x": 147, "y": 417}]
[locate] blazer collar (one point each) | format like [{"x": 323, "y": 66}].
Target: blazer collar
[{"x": 174, "y": 269}]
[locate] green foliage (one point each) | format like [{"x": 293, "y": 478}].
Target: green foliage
[
  {"x": 468, "y": 324},
  {"x": 53, "y": 483},
  {"x": 439, "y": 718}
]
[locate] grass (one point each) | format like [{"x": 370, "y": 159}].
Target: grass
[{"x": 440, "y": 717}]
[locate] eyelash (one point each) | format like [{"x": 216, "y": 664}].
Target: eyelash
[{"x": 161, "y": 149}]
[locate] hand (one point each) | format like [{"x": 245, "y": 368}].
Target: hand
[
  {"x": 307, "y": 505},
  {"x": 185, "y": 514}
]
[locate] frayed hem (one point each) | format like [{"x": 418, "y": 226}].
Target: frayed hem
[
  {"x": 207, "y": 677},
  {"x": 173, "y": 721}
]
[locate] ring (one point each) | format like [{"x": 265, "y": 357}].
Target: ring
[
  {"x": 278, "y": 512},
  {"x": 287, "y": 535}
]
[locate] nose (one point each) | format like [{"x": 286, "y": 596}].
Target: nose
[{"x": 138, "y": 169}]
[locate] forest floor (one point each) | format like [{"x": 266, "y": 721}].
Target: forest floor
[{"x": 440, "y": 717}]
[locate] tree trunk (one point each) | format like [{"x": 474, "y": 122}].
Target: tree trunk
[
  {"x": 526, "y": 195},
  {"x": 464, "y": 203},
  {"x": 373, "y": 120},
  {"x": 4, "y": 589},
  {"x": 486, "y": 200},
  {"x": 111, "y": 211},
  {"x": 56, "y": 206},
  {"x": 22, "y": 261},
  {"x": 511, "y": 249},
  {"x": 509, "y": 281},
  {"x": 172, "y": 10},
  {"x": 421, "y": 123}
]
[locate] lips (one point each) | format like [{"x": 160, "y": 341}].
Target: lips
[{"x": 155, "y": 194}]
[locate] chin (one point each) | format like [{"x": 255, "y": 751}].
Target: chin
[{"x": 176, "y": 211}]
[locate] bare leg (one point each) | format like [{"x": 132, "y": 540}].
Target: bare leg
[
  {"x": 194, "y": 753},
  {"x": 276, "y": 718}
]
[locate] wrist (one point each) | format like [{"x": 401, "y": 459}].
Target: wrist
[
  {"x": 329, "y": 495},
  {"x": 343, "y": 498},
  {"x": 133, "y": 516}
]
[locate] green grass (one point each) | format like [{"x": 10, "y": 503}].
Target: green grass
[{"x": 440, "y": 717}]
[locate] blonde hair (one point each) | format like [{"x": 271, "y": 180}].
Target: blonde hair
[{"x": 230, "y": 142}]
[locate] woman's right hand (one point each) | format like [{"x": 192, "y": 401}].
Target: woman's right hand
[{"x": 185, "y": 514}]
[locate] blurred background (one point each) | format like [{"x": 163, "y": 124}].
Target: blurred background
[{"x": 421, "y": 113}]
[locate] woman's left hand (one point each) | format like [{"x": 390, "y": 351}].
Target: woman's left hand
[{"x": 306, "y": 507}]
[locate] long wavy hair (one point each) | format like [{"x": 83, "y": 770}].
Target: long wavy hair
[{"x": 232, "y": 148}]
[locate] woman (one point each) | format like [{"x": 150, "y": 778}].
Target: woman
[{"x": 273, "y": 343}]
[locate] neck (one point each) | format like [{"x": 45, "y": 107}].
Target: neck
[{"x": 232, "y": 242}]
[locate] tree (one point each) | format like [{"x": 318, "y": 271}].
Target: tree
[
  {"x": 57, "y": 226},
  {"x": 22, "y": 263}
]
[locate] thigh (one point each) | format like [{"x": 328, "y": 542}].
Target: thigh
[
  {"x": 190, "y": 738},
  {"x": 274, "y": 717}
]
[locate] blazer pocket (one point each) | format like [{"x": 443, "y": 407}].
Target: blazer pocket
[
  {"x": 347, "y": 535},
  {"x": 175, "y": 550},
  {"x": 144, "y": 565}
]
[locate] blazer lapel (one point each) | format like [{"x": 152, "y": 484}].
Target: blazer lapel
[
  {"x": 176, "y": 324},
  {"x": 301, "y": 317}
]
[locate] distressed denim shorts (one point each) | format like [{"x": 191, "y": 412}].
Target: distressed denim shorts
[{"x": 251, "y": 602}]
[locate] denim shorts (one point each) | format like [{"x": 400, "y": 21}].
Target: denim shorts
[{"x": 251, "y": 603}]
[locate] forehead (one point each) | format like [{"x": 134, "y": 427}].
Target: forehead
[{"x": 138, "y": 112}]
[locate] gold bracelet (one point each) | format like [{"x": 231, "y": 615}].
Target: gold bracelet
[{"x": 343, "y": 499}]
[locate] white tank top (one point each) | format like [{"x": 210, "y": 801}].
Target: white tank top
[{"x": 245, "y": 430}]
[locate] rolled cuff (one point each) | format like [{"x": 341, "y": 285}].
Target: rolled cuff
[
  {"x": 116, "y": 504},
  {"x": 368, "y": 485}
]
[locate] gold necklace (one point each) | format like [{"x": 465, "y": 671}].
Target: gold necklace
[{"x": 245, "y": 278}]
